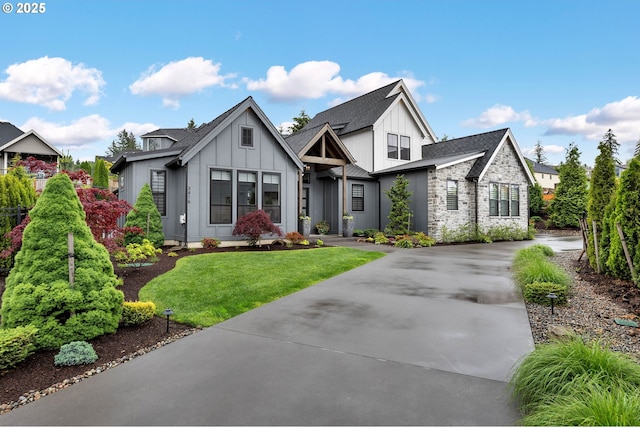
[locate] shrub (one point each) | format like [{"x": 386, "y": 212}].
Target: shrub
[
  {"x": 323, "y": 227},
  {"x": 539, "y": 269},
  {"x": 253, "y": 225},
  {"x": 358, "y": 232},
  {"x": 294, "y": 237},
  {"x": 537, "y": 292},
  {"x": 570, "y": 368},
  {"x": 146, "y": 216},
  {"x": 403, "y": 241},
  {"x": 38, "y": 291},
  {"x": 16, "y": 344},
  {"x": 136, "y": 254},
  {"x": 370, "y": 232},
  {"x": 319, "y": 242},
  {"x": 305, "y": 242},
  {"x": 210, "y": 242},
  {"x": 137, "y": 312},
  {"x": 75, "y": 353},
  {"x": 172, "y": 254},
  {"x": 380, "y": 239},
  {"x": 424, "y": 240}
]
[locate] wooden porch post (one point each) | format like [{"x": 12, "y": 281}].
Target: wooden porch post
[{"x": 344, "y": 189}]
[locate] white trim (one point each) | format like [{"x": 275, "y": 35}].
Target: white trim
[
  {"x": 460, "y": 160},
  {"x": 514, "y": 144},
  {"x": 26, "y": 134}
]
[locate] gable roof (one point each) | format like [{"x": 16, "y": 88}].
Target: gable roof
[
  {"x": 175, "y": 134},
  {"x": 8, "y": 132},
  {"x": 542, "y": 168},
  {"x": 192, "y": 142},
  {"x": 301, "y": 142},
  {"x": 364, "y": 111},
  {"x": 483, "y": 147},
  {"x": 6, "y": 144}
]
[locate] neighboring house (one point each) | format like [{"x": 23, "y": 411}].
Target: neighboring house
[
  {"x": 14, "y": 141},
  {"x": 203, "y": 180},
  {"x": 237, "y": 163},
  {"x": 548, "y": 177}
]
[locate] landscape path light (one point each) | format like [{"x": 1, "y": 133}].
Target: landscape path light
[
  {"x": 167, "y": 312},
  {"x": 552, "y": 297}
]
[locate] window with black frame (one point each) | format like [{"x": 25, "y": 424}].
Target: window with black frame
[
  {"x": 220, "y": 197},
  {"x": 159, "y": 190},
  {"x": 271, "y": 195},
  {"x": 246, "y": 193}
]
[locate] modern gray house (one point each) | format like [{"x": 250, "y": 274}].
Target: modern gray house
[{"x": 343, "y": 160}]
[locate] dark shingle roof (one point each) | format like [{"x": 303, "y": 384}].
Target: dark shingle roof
[
  {"x": 353, "y": 172},
  {"x": 297, "y": 141},
  {"x": 542, "y": 168},
  {"x": 429, "y": 163},
  {"x": 358, "y": 113},
  {"x": 8, "y": 132},
  {"x": 485, "y": 142},
  {"x": 174, "y": 133}
]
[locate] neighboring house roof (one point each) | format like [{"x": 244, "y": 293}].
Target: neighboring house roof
[
  {"x": 364, "y": 111},
  {"x": 481, "y": 147},
  {"x": 192, "y": 142},
  {"x": 8, "y": 132},
  {"x": 542, "y": 168}
]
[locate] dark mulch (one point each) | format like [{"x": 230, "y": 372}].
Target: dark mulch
[{"x": 38, "y": 372}]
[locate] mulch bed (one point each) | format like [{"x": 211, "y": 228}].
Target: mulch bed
[{"x": 38, "y": 372}]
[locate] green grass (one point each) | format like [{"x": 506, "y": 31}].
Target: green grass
[
  {"x": 203, "y": 290},
  {"x": 565, "y": 370},
  {"x": 532, "y": 265}
]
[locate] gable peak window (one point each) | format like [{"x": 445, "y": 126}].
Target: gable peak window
[
  {"x": 392, "y": 146},
  {"x": 246, "y": 137},
  {"x": 398, "y": 146}
]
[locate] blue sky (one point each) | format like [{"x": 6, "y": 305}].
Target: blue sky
[{"x": 553, "y": 71}]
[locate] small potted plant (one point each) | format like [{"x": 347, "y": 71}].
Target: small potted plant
[
  {"x": 347, "y": 225},
  {"x": 323, "y": 227}
]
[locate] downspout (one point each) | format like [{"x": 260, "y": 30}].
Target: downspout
[
  {"x": 475, "y": 181},
  {"x": 186, "y": 206}
]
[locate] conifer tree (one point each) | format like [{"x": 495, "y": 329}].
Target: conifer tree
[
  {"x": 601, "y": 190},
  {"x": 100, "y": 175},
  {"x": 38, "y": 289},
  {"x": 146, "y": 216},
  {"x": 400, "y": 214},
  {"x": 627, "y": 206},
  {"x": 570, "y": 201}
]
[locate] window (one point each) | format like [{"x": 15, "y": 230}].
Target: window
[
  {"x": 271, "y": 195},
  {"x": 220, "y": 197},
  {"x": 493, "y": 199},
  {"x": 515, "y": 200},
  {"x": 405, "y": 148},
  {"x": 357, "y": 197},
  {"x": 392, "y": 146},
  {"x": 452, "y": 195},
  {"x": 121, "y": 181},
  {"x": 159, "y": 190},
  {"x": 154, "y": 144},
  {"x": 246, "y": 137},
  {"x": 504, "y": 199},
  {"x": 246, "y": 193}
]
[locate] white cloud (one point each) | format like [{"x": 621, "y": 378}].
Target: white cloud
[
  {"x": 179, "y": 79},
  {"x": 499, "y": 114},
  {"x": 84, "y": 131},
  {"x": 316, "y": 79},
  {"x": 623, "y": 117},
  {"x": 50, "y": 82},
  {"x": 548, "y": 149}
]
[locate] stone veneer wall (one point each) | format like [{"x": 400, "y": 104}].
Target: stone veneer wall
[{"x": 505, "y": 169}]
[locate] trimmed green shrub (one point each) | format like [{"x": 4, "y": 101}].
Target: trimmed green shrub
[
  {"x": 137, "y": 312},
  {"x": 16, "y": 344},
  {"x": 100, "y": 175},
  {"x": 569, "y": 368},
  {"x": 38, "y": 291},
  {"x": 537, "y": 292},
  {"x": 75, "y": 353},
  {"x": 146, "y": 216},
  {"x": 370, "y": 232},
  {"x": 569, "y": 204},
  {"x": 400, "y": 213}
]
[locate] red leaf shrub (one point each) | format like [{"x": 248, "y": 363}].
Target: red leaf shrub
[
  {"x": 33, "y": 165},
  {"x": 253, "y": 225},
  {"x": 294, "y": 237}
]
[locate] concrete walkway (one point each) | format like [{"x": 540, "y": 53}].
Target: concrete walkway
[{"x": 420, "y": 337}]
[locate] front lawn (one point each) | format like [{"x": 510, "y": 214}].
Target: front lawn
[{"x": 203, "y": 290}]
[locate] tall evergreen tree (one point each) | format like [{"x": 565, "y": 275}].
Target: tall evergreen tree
[
  {"x": 625, "y": 212},
  {"x": 86, "y": 166},
  {"x": 570, "y": 201},
  {"x": 191, "y": 125},
  {"x": 299, "y": 122},
  {"x": 538, "y": 151},
  {"x": 100, "y": 175},
  {"x": 400, "y": 214},
  {"x": 612, "y": 144},
  {"x": 38, "y": 289},
  {"x": 601, "y": 190},
  {"x": 126, "y": 141},
  {"x": 145, "y": 215}
]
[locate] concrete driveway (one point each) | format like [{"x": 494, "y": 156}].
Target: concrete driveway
[{"x": 420, "y": 337}]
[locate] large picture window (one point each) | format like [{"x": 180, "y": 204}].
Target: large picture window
[
  {"x": 392, "y": 146},
  {"x": 159, "y": 190},
  {"x": 246, "y": 193},
  {"x": 504, "y": 199},
  {"x": 452, "y": 195},
  {"x": 271, "y": 195},
  {"x": 220, "y": 210},
  {"x": 405, "y": 148},
  {"x": 357, "y": 197}
]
